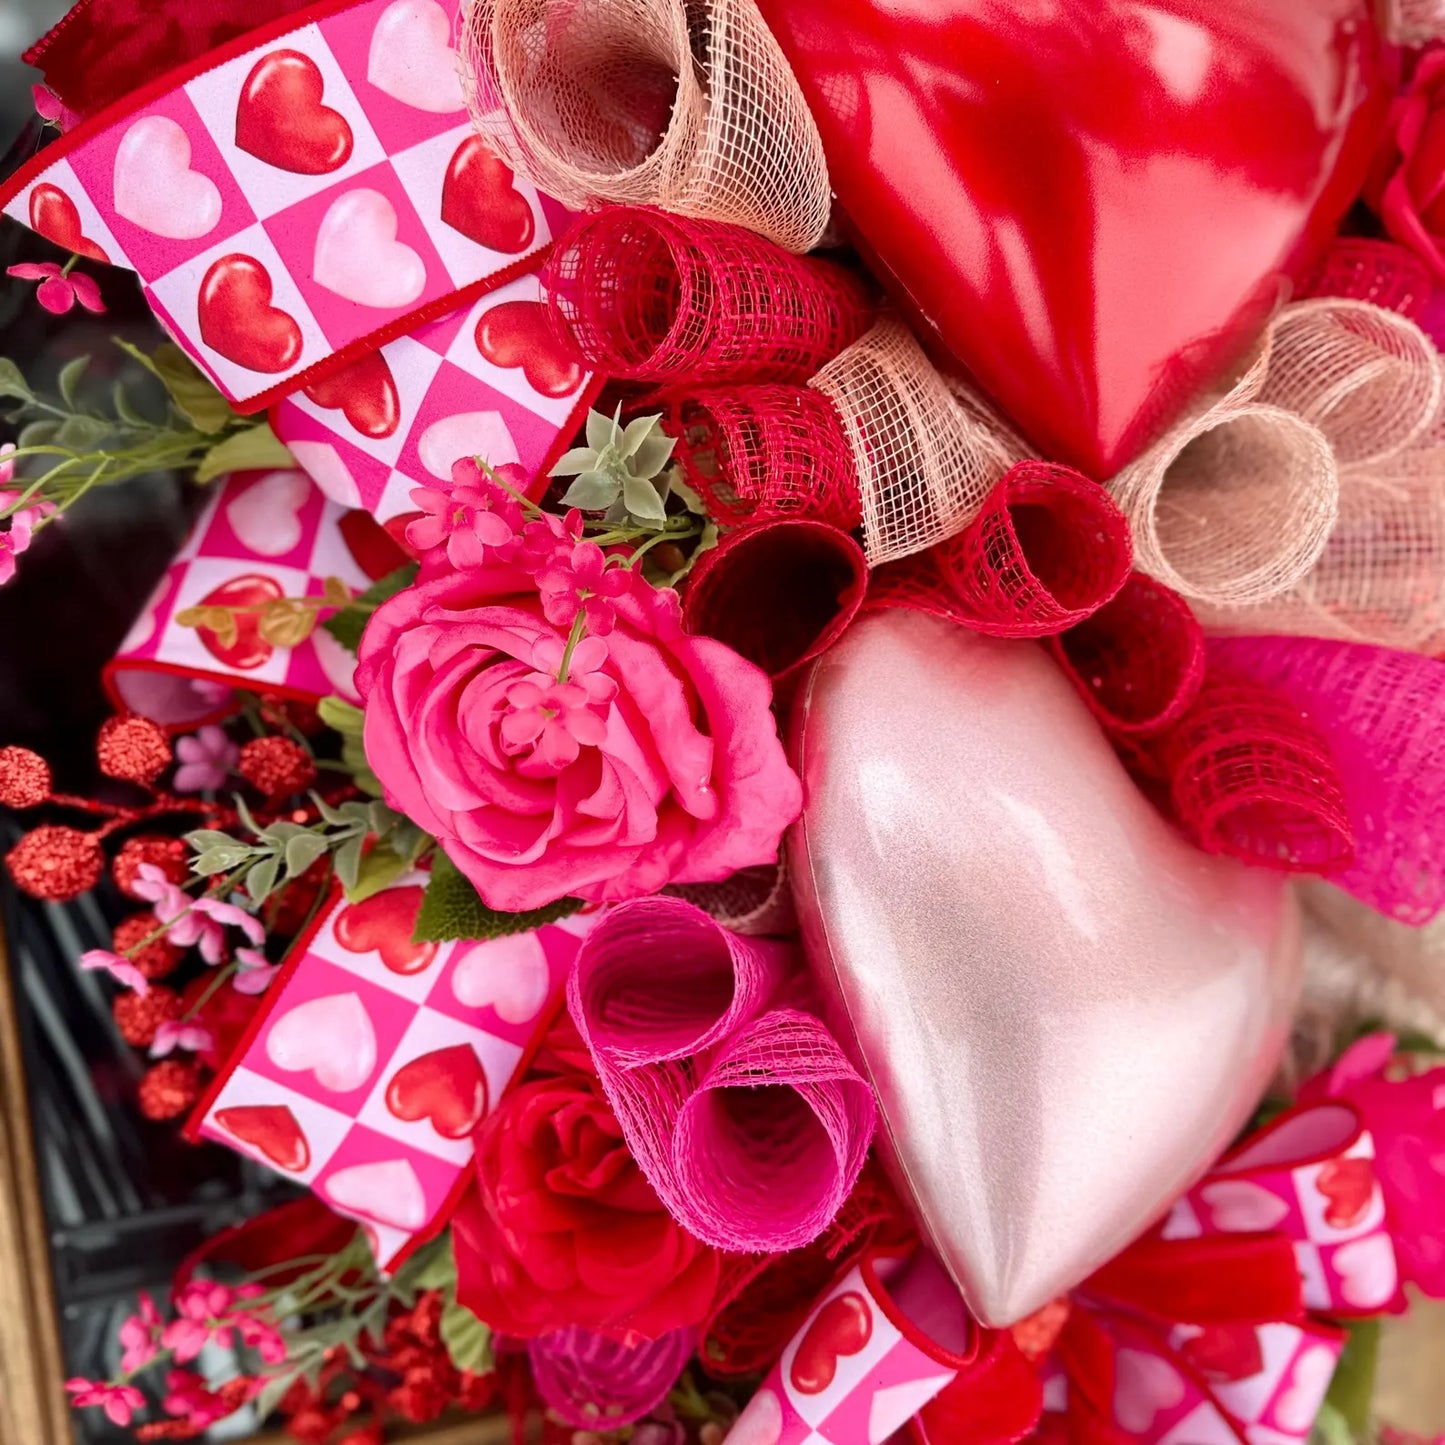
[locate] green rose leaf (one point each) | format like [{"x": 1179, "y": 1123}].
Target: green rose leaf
[{"x": 451, "y": 908}]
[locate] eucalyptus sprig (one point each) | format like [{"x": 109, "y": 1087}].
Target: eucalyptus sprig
[
  {"x": 283, "y": 621},
  {"x": 68, "y": 445}
]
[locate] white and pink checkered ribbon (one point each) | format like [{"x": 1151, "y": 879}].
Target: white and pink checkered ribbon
[
  {"x": 374, "y": 1058},
  {"x": 263, "y": 536},
  {"x": 292, "y": 202}
]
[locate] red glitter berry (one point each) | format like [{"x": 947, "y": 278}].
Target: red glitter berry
[
  {"x": 24, "y": 778},
  {"x": 133, "y": 748},
  {"x": 155, "y": 959},
  {"x": 56, "y": 863},
  {"x": 167, "y": 854},
  {"x": 276, "y": 767},
  {"x": 137, "y": 1018},
  {"x": 170, "y": 1089}
]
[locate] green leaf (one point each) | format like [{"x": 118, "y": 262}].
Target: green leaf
[
  {"x": 347, "y": 624},
  {"x": 435, "y": 1266},
  {"x": 12, "y": 381},
  {"x": 38, "y": 434},
  {"x": 690, "y": 498},
  {"x": 195, "y": 398},
  {"x": 592, "y": 492},
  {"x": 1353, "y": 1386},
  {"x": 253, "y": 450},
  {"x": 261, "y": 880},
  {"x": 346, "y": 718},
  {"x": 220, "y": 860},
  {"x": 70, "y": 378},
  {"x": 579, "y": 459},
  {"x": 379, "y": 869},
  {"x": 451, "y": 908},
  {"x": 602, "y": 430},
  {"x": 468, "y": 1340},
  {"x": 653, "y": 455},
  {"x": 124, "y": 408},
  {"x": 1331, "y": 1428},
  {"x": 82, "y": 433},
  {"x": 348, "y": 862},
  {"x": 302, "y": 851},
  {"x": 642, "y": 500},
  {"x": 274, "y": 1390}
]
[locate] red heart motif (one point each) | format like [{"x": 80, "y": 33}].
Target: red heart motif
[
  {"x": 1094, "y": 205},
  {"x": 480, "y": 199},
  {"x": 370, "y": 544},
  {"x": 447, "y": 1086},
  {"x": 1225, "y": 1352},
  {"x": 384, "y": 923},
  {"x": 280, "y": 118},
  {"x": 365, "y": 393},
  {"x": 395, "y": 528},
  {"x": 842, "y": 1327},
  {"x": 250, "y": 649},
  {"x": 53, "y": 215},
  {"x": 270, "y": 1128},
  {"x": 1349, "y": 1185},
  {"x": 518, "y": 333},
  {"x": 239, "y": 321}
]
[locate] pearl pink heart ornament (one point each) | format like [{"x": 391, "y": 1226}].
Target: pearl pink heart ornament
[{"x": 1066, "y": 1010}]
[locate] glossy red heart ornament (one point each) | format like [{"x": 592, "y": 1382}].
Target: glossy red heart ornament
[
  {"x": 480, "y": 199},
  {"x": 238, "y": 320},
  {"x": 365, "y": 393},
  {"x": 1091, "y": 203},
  {"x": 272, "y": 1130},
  {"x": 446, "y": 1086},
  {"x": 518, "y": 333},
  {"x": 384, "y": 922},
  {"x": 280, "y": 118}
]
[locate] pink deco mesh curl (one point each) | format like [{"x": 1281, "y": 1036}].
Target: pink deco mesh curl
[
  {"x": 1138, "y": 662},
  {"x": 761, "y": 452},
  {"x": 1382, "y": 714},
  {"x": 925, "y": 463},
  {"x": 661, "y": 298},
  {"x": 1383, "y": 273},
  {"x": 685, "y": 104},
  {"x": 1251, "y": 777},
  {"x": 780, "y": 593},
  {"x": 740, "y": 1109},
  {"x": 1048, "y": 549},
  {"x": 592, "y": 1382}
]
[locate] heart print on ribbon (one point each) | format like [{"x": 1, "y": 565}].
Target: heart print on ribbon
[{"x": 376, "y": 1058}]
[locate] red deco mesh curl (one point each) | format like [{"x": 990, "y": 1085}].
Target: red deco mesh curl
[
  {"x": 779, "y": 593},
  {"x": 762, "y": 1299},
  {"x": 1383, "y": 715},
  {"x": 1049, "y": 548},
  {"x": 766, "y": 450},
  {"x": 1357, "y": 268},
  {"x": 661, "y": 298},
  {"x": 1138, "y": 661},
  {"x": 917, "y": 582},
  {"x": 1251, "y": 777}
]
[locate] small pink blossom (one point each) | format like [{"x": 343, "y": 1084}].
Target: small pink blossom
[
  {"x": 140, "y": 1336},
  {"x": 544, "y": 535},
  {"x": 254, "y": 972},
  {"x": 22, "y": 523},
  {"x": 578, "y": 579},
  {"x": 264, "y": 1338},
  {"x": 228, "y": 914},
  {"x": 119, "y": 1402},
  {"x": 207, "y": 759},
  {"x": 174, "y": 1034},
  {"x": 472, "y": 518},
  {"x": 122, "y": 970},
  {"x": 50, "y": 107},
  {"x": 201, "y": 1310},
  {"x": 57, "y": 291},
  {"x": 187, "y": 1396}
]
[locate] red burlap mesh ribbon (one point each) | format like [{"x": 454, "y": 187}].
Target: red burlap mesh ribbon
[
  {"x": 1358, "y": 268},
  {"x": 766, "y": 451},
  {"x": 755, "y": 902},
  {"x": 1251, "y": 777},
  {"x": 779, "y": 593},
  {"x": 654, "y": 297},
  {"x": 688, "y": 106}
]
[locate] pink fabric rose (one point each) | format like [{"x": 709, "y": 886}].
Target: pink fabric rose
[
  {"x": 654, "y": 760},
  {"x": 1408, "y": 188}
]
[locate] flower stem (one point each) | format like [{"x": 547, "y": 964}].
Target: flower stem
[{"x": 579, "y": 629}]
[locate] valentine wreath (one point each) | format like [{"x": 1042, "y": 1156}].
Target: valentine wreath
[{"x": 795, "y": 767}]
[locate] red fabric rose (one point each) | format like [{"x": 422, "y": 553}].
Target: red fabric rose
[
  {"x": 563, "y": 1229},
  {"x": 1409, "y": 186}
]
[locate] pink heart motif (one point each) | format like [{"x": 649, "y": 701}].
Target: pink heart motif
[
  {"x": 324, "y": 465},
  {"x": 411, "y": 57},
  {"x": 892, "y": 1407},
  {"x": 332, "y": 1036},
  {"x": 467, "y": 434},
  {"x": 761, "y": 1423},
  {"x": 387, "y": 1191},
  {"x": 1299, "y": 1405},
  {"x": 1144, "y": 1387},
  {"x": 266, "y": 517},
  {"x": 154, "y": 186},
  {"x": 509, "y": 975},
  {"x": 1239, "y": 1207},
  {"x": 358, "y": 256},
  {"x": 1368, "y": 1273}
]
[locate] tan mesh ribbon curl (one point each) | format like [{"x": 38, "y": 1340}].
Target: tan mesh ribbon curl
[
  {"x": 685, "y": 104},
  {"x": 925, "y": 460},
  {"x": 1373, "y": 383},
  {"x": 1414, "y": 22}
]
